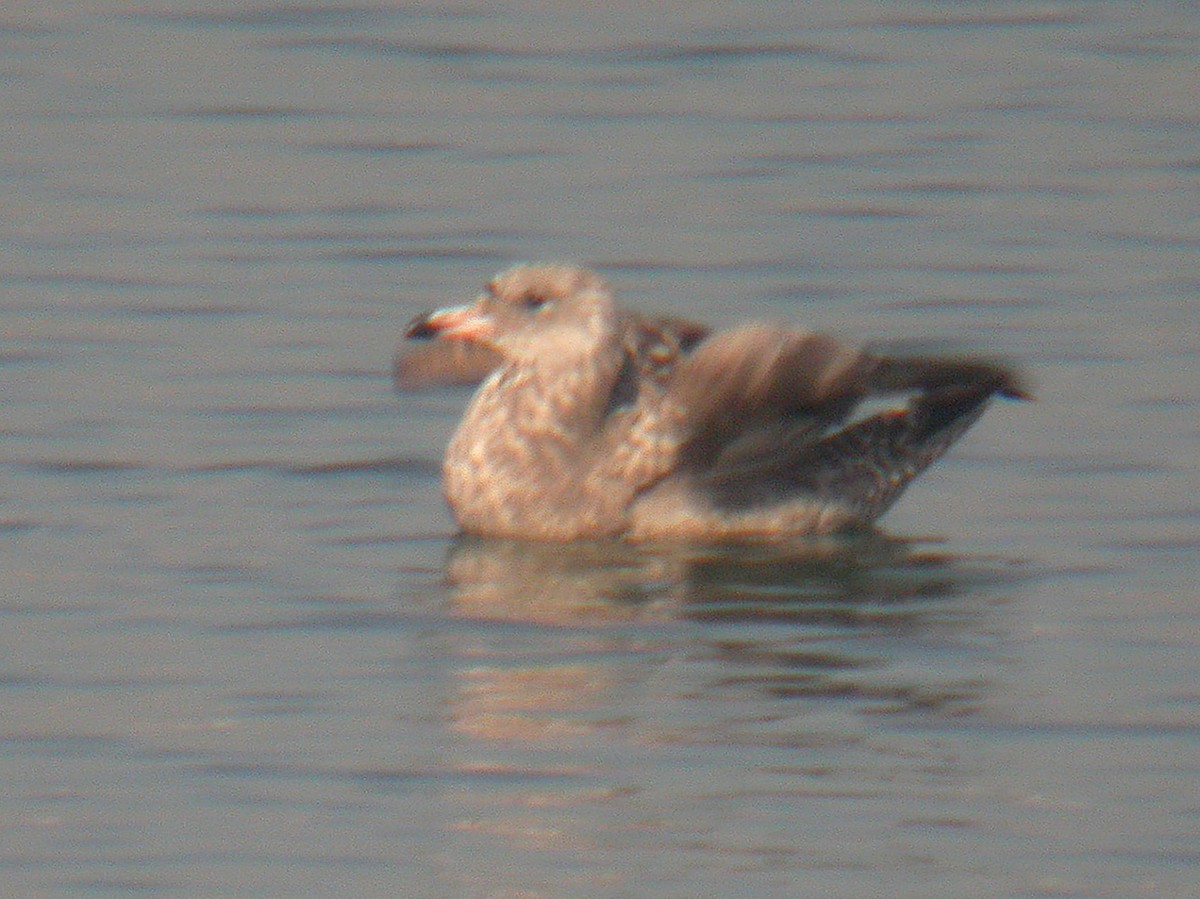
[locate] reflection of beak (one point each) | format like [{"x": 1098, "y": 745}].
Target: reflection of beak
[{"x": 457, "y": 323}]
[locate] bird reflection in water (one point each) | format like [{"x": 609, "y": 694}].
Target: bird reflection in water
[{"x": 859, "y": 618}]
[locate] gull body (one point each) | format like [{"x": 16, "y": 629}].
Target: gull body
[{"x": 594, "y": 421}]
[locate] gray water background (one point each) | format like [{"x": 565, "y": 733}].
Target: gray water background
[{"x": 243, "y": 653}]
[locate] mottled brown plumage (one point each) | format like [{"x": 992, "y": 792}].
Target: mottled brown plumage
[{"x": 592, "y": 421}]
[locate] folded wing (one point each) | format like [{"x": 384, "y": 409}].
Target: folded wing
[{"x": 767, "y": 413}]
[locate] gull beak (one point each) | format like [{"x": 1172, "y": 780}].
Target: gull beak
[{"x": 456, "y": 323}]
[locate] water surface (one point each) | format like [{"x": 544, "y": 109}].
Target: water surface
[{"x": 243, "y": 652}]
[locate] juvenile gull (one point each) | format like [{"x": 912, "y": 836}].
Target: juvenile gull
[{"x": 593, "y": 421}]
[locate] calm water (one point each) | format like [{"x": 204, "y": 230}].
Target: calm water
[{"x": 242, "y": 651}]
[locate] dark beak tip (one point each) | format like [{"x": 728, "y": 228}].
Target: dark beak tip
[{"x": 420, "y": 328}]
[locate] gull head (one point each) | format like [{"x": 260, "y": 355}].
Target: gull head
[{"x": 531, "y": 312}]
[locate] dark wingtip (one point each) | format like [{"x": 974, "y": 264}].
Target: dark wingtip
[
  {"x": 420, "y": 329},
  {"x": 1014, "y": 386},
  {"x": 934, "y": 373}
]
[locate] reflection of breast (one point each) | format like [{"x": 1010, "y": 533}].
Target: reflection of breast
[
  {"x": 534, "y": 704},
  {"x": 588, "y": 586},
  {"x": 582, "y": 583}
]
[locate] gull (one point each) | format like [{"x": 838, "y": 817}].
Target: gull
[{"x": 593, "y": 421}]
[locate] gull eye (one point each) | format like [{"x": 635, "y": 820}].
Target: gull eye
[{"x": 533, "y": 300}]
